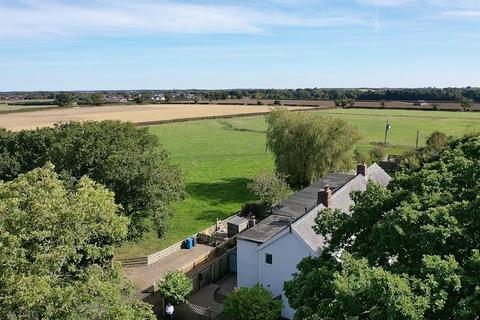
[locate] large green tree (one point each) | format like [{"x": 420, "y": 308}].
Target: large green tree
[
  {"x": 126, "y": 159},
  {"x": 308, "y": 146},
  {"x": 56, "y": 249},
  {"x": 410, "y": 251}
]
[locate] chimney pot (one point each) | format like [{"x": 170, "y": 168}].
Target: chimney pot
[
  {"x": 362, "y": 169},
  {"x": 325, "y": 197}
]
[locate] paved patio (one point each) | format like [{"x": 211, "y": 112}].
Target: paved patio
[
  {"x": 144, "y": 277},
  {"x": 212, "y": 295}
]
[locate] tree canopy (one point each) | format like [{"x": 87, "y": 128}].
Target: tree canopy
[
  {"x": 64, "y": 99},
  {"x": 254, "y": 303},
  {"x": 127, "y": 160},
  {"x": 56, "y": 249},
  {"x": 306, "y": 146},
  {"x": 270, "y": 188},
  {"x": 408, "y": 251},
  {"x": 175, "y": 287}
]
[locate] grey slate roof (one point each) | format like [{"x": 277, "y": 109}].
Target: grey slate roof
[
  {"x": 293, "y": 211},
  {"x": 304, "y": 228},
  {"x": 293, "y": 208},
  {"x": 341, "y": 199},
  {"x": 377, "y": 174}
]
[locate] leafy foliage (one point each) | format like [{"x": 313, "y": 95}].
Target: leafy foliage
[
  {"x": 64, "y": 99},
  {"x": 96, "y": 99},
  {"x": 271, "y": 189},
  {"x": 466, "y": 104},
  {"x": 378, "y": 153},
  {"x": 175, "y": 287},
  {"x": 411, "y": 251},
  {"x": 127, "y": 160},
  {"x": 306, "y": 147},
  {"x": 56, "y": 248},
  {"x": 254, "y": 303}
]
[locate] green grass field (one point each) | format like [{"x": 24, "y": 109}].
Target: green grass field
[{"x": 218, "y": 157}]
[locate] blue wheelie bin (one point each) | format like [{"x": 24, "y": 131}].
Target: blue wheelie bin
[{"x": 189, "y": 243}]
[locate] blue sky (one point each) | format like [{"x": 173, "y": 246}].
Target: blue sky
[{"x": 120, "y": 44}]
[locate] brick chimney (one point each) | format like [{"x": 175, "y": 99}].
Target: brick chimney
[
  {"x": 325, "y": 197},
  {"x": 362, "y": 169}
]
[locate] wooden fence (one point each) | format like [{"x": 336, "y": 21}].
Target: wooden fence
[
  {"x": 201, "y": 260},
  {"x": 213, "y": 272},
  {"x": 154, "y": 257}
]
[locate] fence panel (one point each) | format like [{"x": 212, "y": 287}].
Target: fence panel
[
  {"x": 189, "y": 311},
  {"x": 216, "y": 274}
]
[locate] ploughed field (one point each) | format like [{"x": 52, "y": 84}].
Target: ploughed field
[
  {"x": 132, "y": 113},
  {"x": 219, "y": 157}
]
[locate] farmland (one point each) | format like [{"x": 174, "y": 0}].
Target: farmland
[
  {"x": 218, "y": 157},
  {"x": 133, "y": 113}
]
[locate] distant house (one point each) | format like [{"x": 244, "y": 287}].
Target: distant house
[
  {"x": 269, "y": 252},
  {"x": 420, "y": 103},
  {"x": 158, "y": 97}
]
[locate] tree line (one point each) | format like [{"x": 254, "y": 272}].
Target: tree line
[
  {"x": 376, "y": 94},
  {"x": 68, "y": 196}
]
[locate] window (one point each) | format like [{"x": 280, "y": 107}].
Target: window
[{"x": 268, "y": 258}]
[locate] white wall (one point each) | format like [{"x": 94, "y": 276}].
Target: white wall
[
  {"x": 246, "y": 263},
  {"x": 286, "y": 252}
]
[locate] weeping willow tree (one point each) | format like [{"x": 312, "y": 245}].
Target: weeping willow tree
[{"x": 307, "y": 146}]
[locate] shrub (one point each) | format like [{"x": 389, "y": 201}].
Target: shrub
[
  {"x": 271, "y": 189},
  {"x": 175, "y": 287},
  {"x": 254, "y": 303},
  {"x": 437, "y": 141},
  {"x": 378, "y": 153}
]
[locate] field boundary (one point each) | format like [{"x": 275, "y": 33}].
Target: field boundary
[
  {"x": 412, "y": 108},
  {"x": 227, "y": 116}
]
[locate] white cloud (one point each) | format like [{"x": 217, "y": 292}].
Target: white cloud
[
  {"x": 387, "y": 3},
  {"x": 464, "y": 13},
  {"x": 426, "y": 4},
  {"x": 54, "y": 18}
]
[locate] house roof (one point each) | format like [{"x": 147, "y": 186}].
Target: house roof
[
  {"x": 266, "y": 229},
  {"x": 293, "y": 208},
  {"x": 304, "y": 229},
  {"x": 377, "y": 174},
  {"x": 305, "y": 200},
  {"x": 298, "y": 212}
]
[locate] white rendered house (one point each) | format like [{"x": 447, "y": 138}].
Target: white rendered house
[{"x": 270, "y": 252}]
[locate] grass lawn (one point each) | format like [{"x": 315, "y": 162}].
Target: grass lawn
[{"x": 218, "y": 157}]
